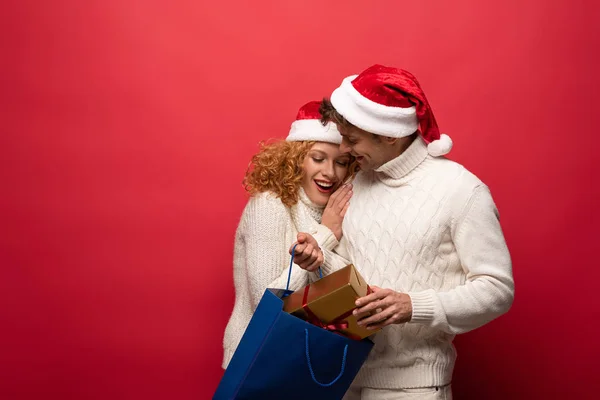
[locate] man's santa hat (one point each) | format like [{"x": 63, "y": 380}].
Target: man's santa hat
[
  {"x": 389, "y": 102},
  {"x": 307, "y": 126}
]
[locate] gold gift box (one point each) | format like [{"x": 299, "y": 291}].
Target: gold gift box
[{"x": 330, "y": 298}]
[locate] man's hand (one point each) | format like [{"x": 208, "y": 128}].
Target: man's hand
[
  {"x": 383, "y": 307},
  {"x": 334, "y": 212},
  {"x": 308, "y": 254}
]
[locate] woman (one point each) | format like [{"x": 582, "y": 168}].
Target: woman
[{"x": 291, "y": 183}]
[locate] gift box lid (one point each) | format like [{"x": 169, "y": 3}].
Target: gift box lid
[{"x": 329, "y": 297}]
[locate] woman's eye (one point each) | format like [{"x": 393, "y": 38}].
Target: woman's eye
[
  {"x": 317, "y": 159},
  {"x": 342, "y": 163}
]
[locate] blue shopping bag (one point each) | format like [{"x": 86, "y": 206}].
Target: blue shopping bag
[{"x": 281, "y": 356}]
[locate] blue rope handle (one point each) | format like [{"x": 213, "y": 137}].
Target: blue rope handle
[
  {"x": 287, "y": 285},
  {"x": 312, "y": 373}
]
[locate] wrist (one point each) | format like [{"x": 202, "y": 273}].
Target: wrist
[
  {"x": 325, "y": 237},
  {"x": 337, "y": 233}
]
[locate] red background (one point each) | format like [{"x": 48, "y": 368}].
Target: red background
[{"x": 126, "y": 127}]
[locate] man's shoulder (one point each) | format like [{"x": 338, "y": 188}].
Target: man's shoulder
[{"x": 454, "y": 174}]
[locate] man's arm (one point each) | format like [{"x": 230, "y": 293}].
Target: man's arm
[{"x": 487, "y": 293}]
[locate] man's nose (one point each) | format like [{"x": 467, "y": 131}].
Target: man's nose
[{"x": 344, "y": 148}]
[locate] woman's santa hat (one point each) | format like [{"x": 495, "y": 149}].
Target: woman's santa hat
[
  {"x": 307, "y": 126},
  {"x": 389, "y": 102}
]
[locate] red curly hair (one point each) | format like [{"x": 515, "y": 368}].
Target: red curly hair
[{"x": 277, "y": 168}]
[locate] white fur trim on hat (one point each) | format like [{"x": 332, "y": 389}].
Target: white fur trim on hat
[
  {"x": 371, "y": 116},
  {"x": 440, "y": 147},
  {"x": 313, "y": 130}
]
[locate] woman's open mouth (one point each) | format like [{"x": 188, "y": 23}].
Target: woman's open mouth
[{"x": 324, "y": 186}]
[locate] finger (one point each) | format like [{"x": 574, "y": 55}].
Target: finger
[
  {"x": 348, "y": 196},
  {"x": 360, "y": 315},
  {"x": 303, "y": 254},
  {"x": 372, "y": 306},
  {"x": 335, "y": 195},
  {"x": 343, "y": 203},
  {"x": 311, "y": 260},
  {"x": 300, "y": 260},
  {"x": 307, "y": 254},
  {"x": 299, "y": 249},
  {"x": 292, "y": 248},
  {"x": 380, "y": 299},
  {"x": 377, "y": 318},
  {"x": 342, "y": 196},
  {"x": 300, "y": 255},
  {"x": 309, "y": 249},
  {"x": 301, "y": 237},
  {"x": 377, "y": 294},
  {"x": 343, "y": 212},
  {"x": 371, "y": 320},
  {"x": 394, "y": 318},
  {"x": 312, "y": 241},
  {"x": 315, "y": 264},
  {"x": 333, "y": 199}
]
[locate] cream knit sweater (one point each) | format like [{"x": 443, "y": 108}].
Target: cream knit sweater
[
  {"x": 264, "y": 235},
  {"x": 427, "y": 227}
]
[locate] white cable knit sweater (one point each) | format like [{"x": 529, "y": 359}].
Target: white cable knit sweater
[
  {"x": 264, "y": 235},
  {"x": 427, "y": 227}
]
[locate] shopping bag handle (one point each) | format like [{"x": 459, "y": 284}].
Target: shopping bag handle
[
  {"x": 287, "y": 285},
  {"x": 312, "y": 373}
]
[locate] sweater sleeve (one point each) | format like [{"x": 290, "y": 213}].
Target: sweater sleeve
[
  {"x": 325, "y": 237},
  {"x": 336, "y": 258},
  {"x": 266, "y": 258},
  {"x": 489, "y": 287}
]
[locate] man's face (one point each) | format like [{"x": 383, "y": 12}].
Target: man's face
[{"x": 371, "y": 151}]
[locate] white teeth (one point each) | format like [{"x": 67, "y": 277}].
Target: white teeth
[{"x": 323, "y": 184}]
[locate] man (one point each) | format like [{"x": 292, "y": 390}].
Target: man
[{"x": 421, "y": 229}]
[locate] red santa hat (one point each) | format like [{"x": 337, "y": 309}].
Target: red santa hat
[
  {"x": 389, "y": 102},
  {"x": 307, "y": 126}
]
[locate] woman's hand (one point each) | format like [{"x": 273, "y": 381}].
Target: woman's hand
[
  {"x": 307, "y": 253},
  {"x": 336, "y": 208}
]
